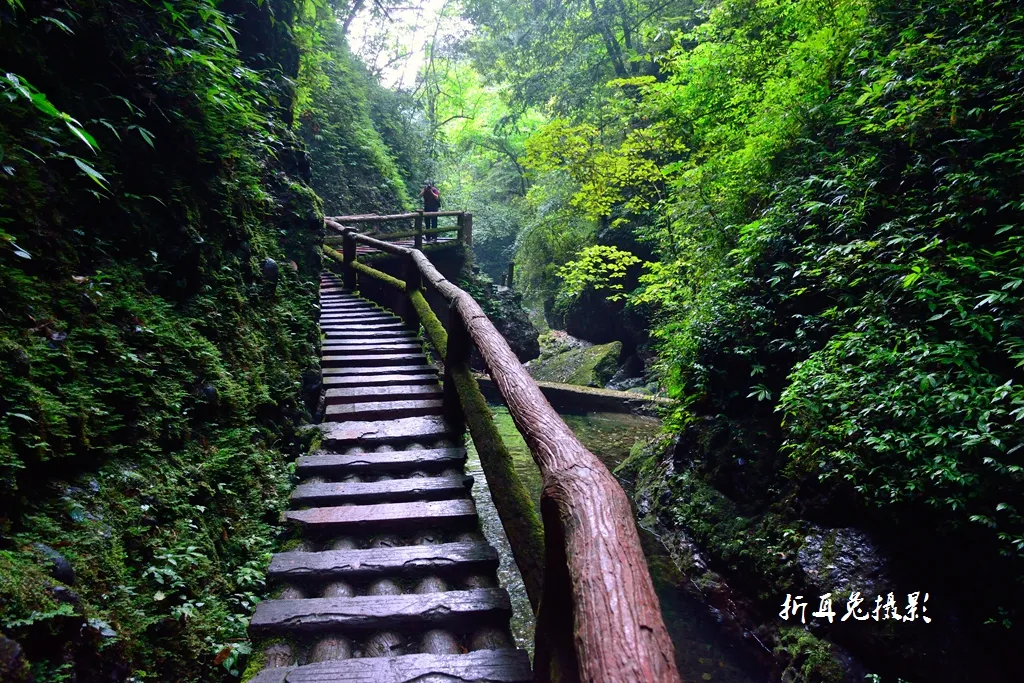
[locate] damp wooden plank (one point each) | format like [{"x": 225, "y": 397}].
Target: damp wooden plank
[
  {"x": 387, "y": 491},
  {"x": 336, "y": 464},
  {"x": 371, "y": 360},
  {"x": 380, "y": 410},
  {"x": 450, "y": 609},
  {"x": 384, "y": 431},
  {"x": 382, "y": 369},
  {"x": 482, "y": 666},
  {"x": 395, "y": 392},
  {"x": 387, "y": 516}
]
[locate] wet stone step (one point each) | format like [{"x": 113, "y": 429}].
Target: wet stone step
[
  {"x": 382, "y": 369},
  {"x": 388, "y": 516},
  {"x": 328, "y": 308},
  {"x": 344, "y": 335},
  {"x": 366, "y": 329},
  {"x": 389, "y": 491},
  {"x": 350, "y": 361},
  {"x": 370, "y": 432},
  {"x": 482, "y": 666},
  {"x": 408, "y": 560},
  {"x": 379, "y": 410},
  {"x": 452, "y": 609},
  {"x": 378, "y": 347},
  {"x": 381, "y": 380},
  {"x": 396, "y": 392},
  {"x": 337, "y": 464},
  {"x": 360, "y": 318}
]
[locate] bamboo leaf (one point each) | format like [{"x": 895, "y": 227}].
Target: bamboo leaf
[{"x": 91, "y": 172}]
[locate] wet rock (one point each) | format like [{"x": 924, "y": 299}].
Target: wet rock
[
  {"x": 102, "y": 628},
  {"x": 271, "y": 271},
  {"x": 13, "y": 667},
  {"x": 59, "y": 567},
  {"x": 568, "y": 360},
  {"x": 628, "y": 377},
  {"x": 505, "y": 310},
  {"x": 67, "y": 596},
  {"x": 841, "y": 559}
]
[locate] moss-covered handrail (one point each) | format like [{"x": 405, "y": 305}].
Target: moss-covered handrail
[{"x": 599, "y": 617}]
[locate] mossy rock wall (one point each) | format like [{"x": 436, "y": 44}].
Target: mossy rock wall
[{"x": 157, "y": 292}]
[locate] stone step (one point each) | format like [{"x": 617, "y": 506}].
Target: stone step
[
  {"x": 339, "y": 464},
  {"x": 396, "y": 392},
  {"x": 366, "y": 329},
  {"x": 330, "y": 360},
  {"x": 381, "y": 370},
  {"x": 383, "y": 517},
  {"x": 450, "y": 609},
  {"x": 381, "y": 410},
  {"x": 482, "y": 666},
  {"x": 344, "y": 335},
  {"x": 346, "y": 307},
  {"x": 379, "y": 380},
  {"x": 358, "y": 318},
  {"x": 387, "y": 491},
  {"x": 378, "y": 347},
  {"x": 463, "y": 559},
  {"x": 372, "y": 432}
]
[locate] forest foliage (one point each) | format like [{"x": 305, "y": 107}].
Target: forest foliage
[{"x": 825, "y": 196}]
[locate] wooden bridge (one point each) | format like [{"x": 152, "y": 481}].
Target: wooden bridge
[{"x": 392, "y": 580}]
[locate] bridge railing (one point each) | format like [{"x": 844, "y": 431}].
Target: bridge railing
[
  {"x": 598, "y": 617},
  {"x": 403, "y": 226}
]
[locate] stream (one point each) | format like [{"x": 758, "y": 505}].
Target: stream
[{"x": 704, "y": 651}]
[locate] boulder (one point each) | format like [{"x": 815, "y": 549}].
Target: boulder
[{"x": 568, "y": 360}]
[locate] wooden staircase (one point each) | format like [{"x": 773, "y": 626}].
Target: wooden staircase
[{"x": 393, "y": 580}]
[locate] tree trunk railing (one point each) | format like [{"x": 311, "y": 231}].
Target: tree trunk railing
[{"x": 598, "y": 617}]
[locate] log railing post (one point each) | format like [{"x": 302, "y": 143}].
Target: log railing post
[
  {"x": 467, "y": 229},
  {"x": 511, "y": 273},
  {"x": 349, "y": 254},
  {"x": 418, "y": 239},
  {"x": 460, "y": 347},
  {"x": 460, "y": 225},
  {"x": 413, "y": 283}
]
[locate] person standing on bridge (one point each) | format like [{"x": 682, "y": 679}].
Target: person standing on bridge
[{"x": 431, "y": 202}]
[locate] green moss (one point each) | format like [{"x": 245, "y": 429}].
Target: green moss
[
  {"x": 586, "y": 366},
  {"x": 435, "y": 331},
  {"x": 811, "y": 660},
  {"x": 368, "y": 271},
  {"x": 254, "y": 666},
  {"x": 511, "y": 498}
]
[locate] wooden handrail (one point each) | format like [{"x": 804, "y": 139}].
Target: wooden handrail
[
  {"x": 597, "y": 590},
  {"x": 394, "y": 217}
]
